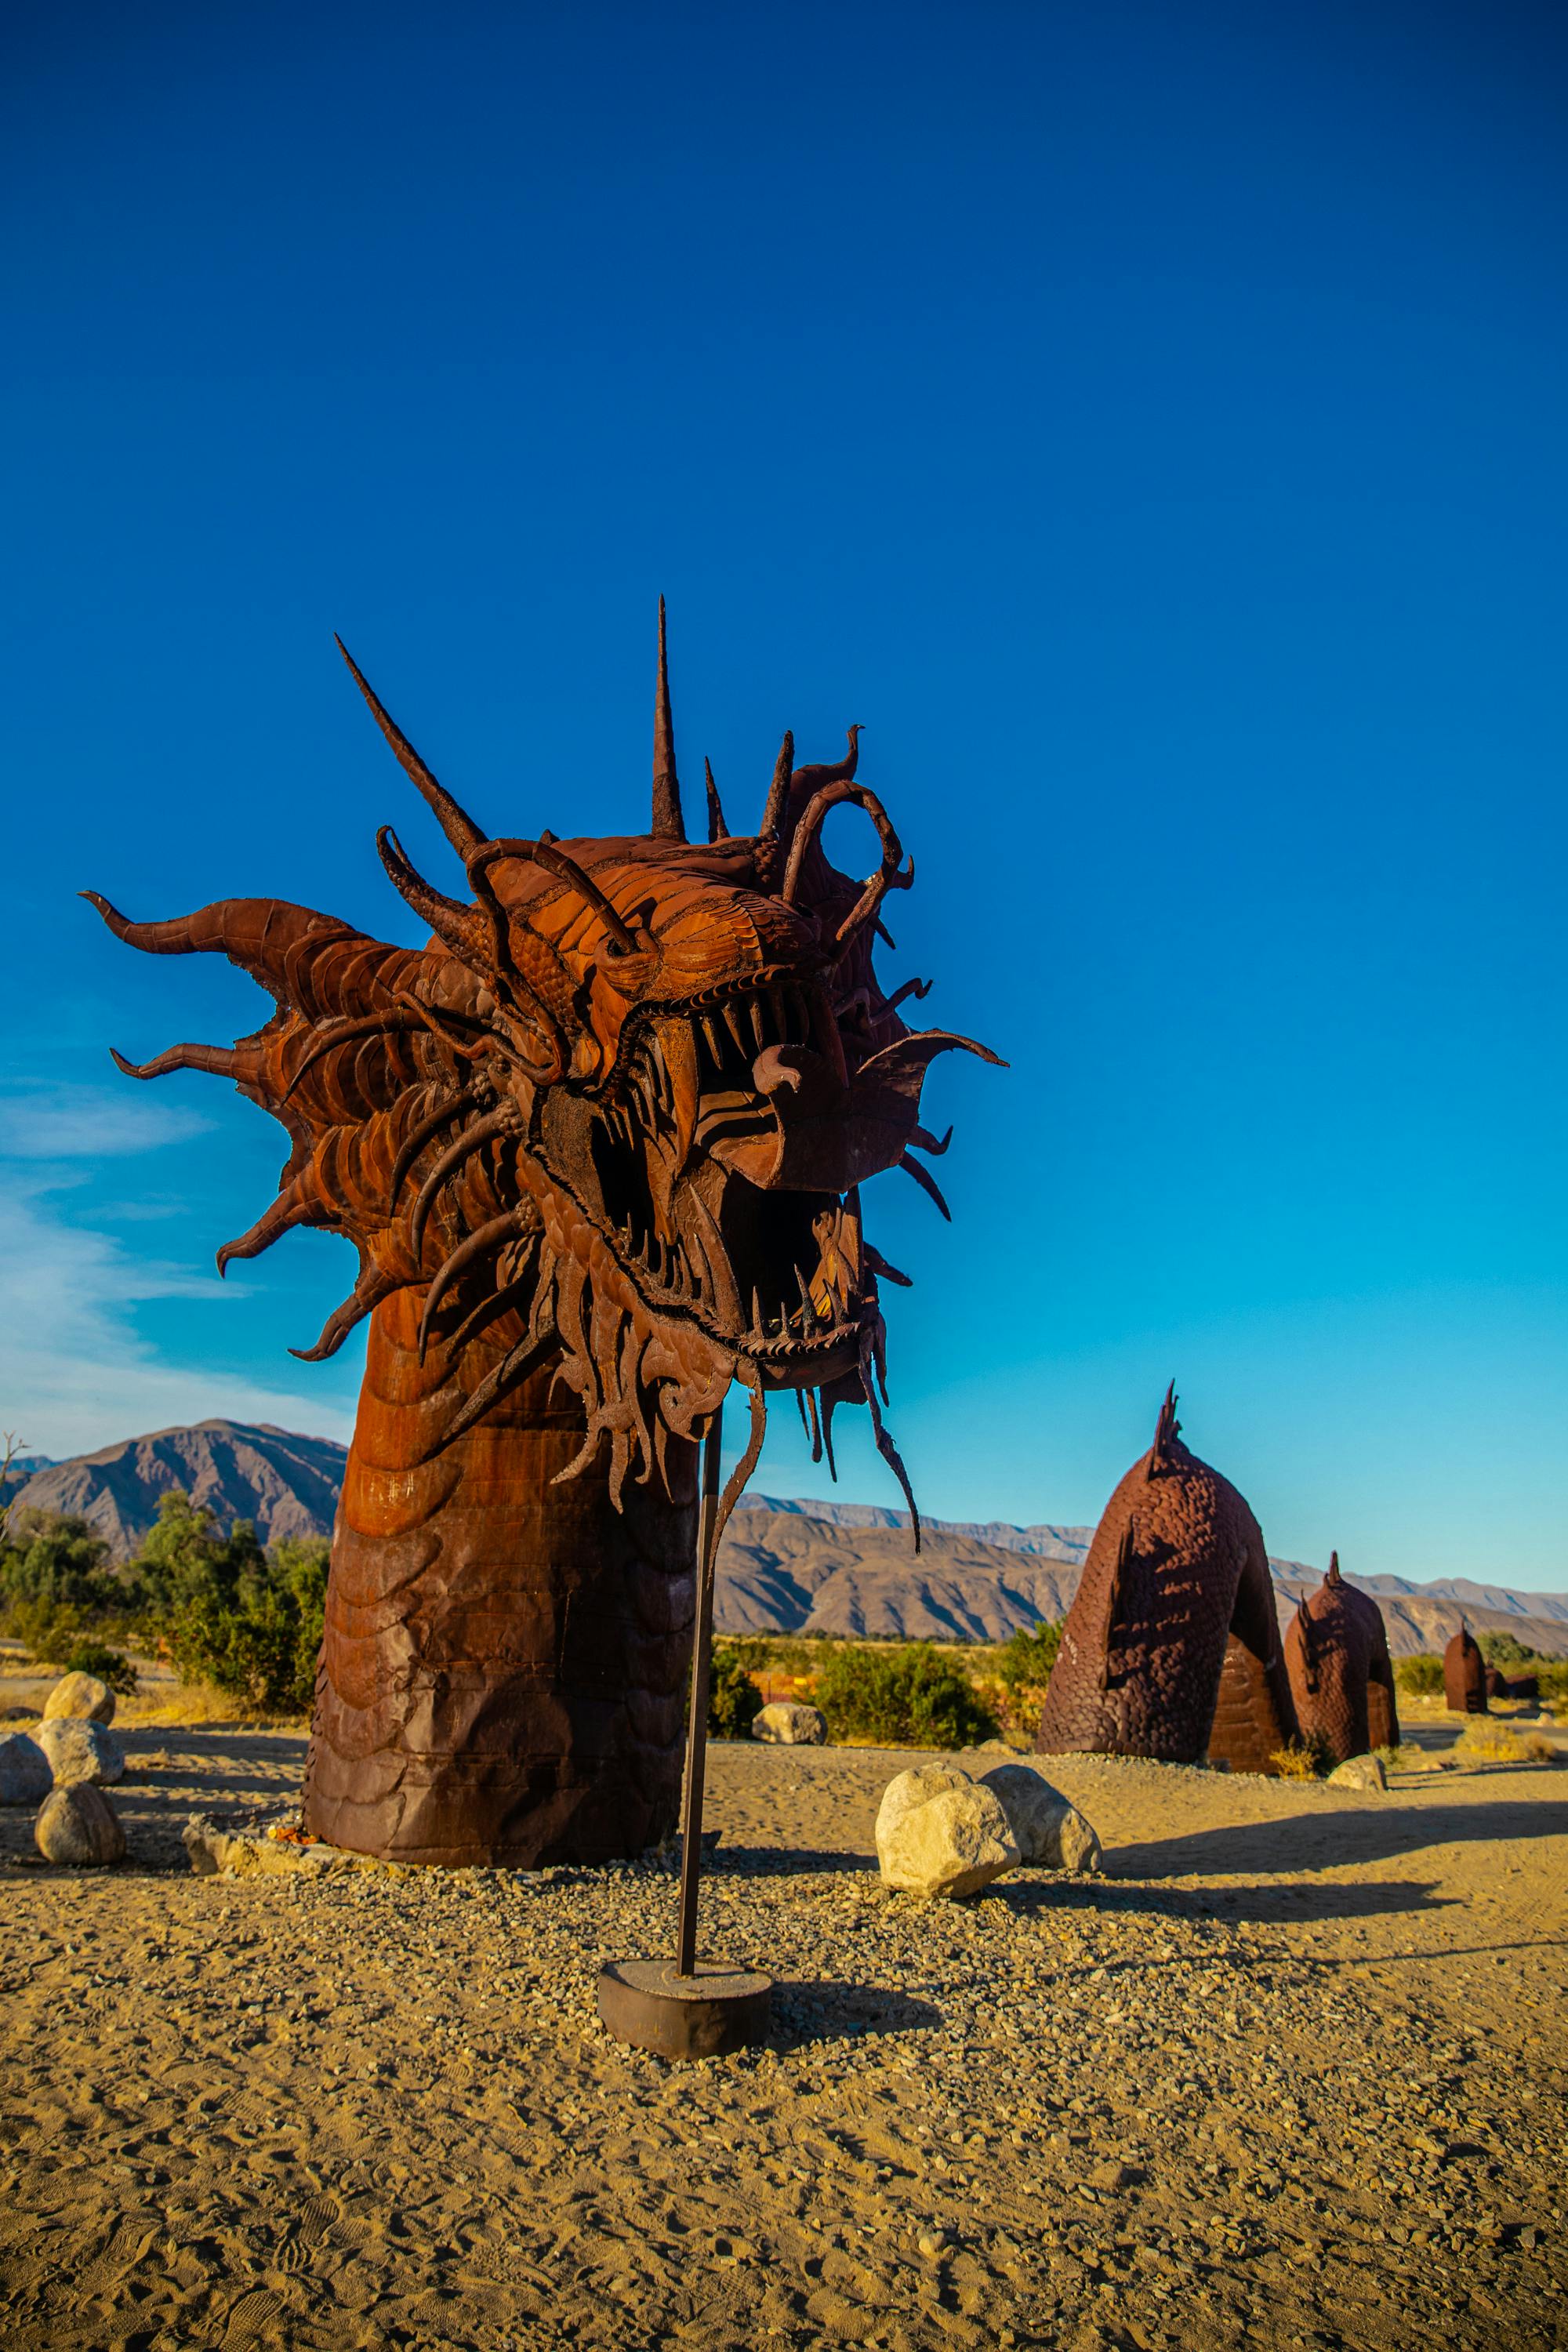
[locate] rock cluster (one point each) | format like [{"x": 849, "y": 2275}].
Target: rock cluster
[
  {"x": 78, "y": 1826},
  {"x": 78, "y": 1748},
  {"x": 790, "y": 1725},
  {"x": 25, "y": 1777},
  {"x": 940, "y": 1832},
  {"x": 82, "y": 1697},
  {"x": 1048, "y": 1830}
]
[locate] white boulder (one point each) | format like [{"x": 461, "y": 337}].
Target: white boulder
[
  {"x": 1359, "y": 1772},
  {"x": 790, "y": 1725},
  {"x": 26, "y": 1776},
  {"x": 1047, "y": 1829},
  {"x": 80, "y": 1826},
  {"x": 953, "y": 1843},
  {"x": 79, "y": 1750},
  {"x": 905, "y": 1790},
  {"x": 82, "y": 1697}
]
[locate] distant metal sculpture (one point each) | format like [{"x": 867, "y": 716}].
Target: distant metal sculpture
[
  {"x": 1465, "y": 1674},
  {"x": 1171, "y": 1649},
  {"x": 1341, "y": 1677},
  {"x": 599, "y": 1147}
]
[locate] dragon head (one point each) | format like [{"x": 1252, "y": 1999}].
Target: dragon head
[{"x": 617, "y": 1111}]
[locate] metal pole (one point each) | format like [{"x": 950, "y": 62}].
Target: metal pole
[{"x": 697, "y": 1730}]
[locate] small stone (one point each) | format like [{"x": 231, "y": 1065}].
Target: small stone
[
  {"x": 80, "y": 1698},
  {"x": 1046, "y": 1829},
  {"x": 953, "y": 1844},
  {"x": 79, "y": 1750},
  {"x": 789, "y": 1725},
  {"x": 78, "y": 1826},
  {"x": 25, "y": 1777},
  {"x": 1359, "y": 1772},
  {"x": 1111, "y": 2175},
  {"x": 932, "y": 2248}
]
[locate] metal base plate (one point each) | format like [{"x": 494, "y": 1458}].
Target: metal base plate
[{"x": 717, "y": 2009}]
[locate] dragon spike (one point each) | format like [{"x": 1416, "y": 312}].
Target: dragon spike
[
  {"x": 927, "y": 1183},
  {"x": 778, "y": 791},
  {"x": 1333, "y": 1576},
  {"x": 1166, "y": 1429},
  {"x": 716, "y": 828},
  {"x": 668, "y": 824},
  {"x": 463, "y": 929},
  {"x": 459, "y": 828}
]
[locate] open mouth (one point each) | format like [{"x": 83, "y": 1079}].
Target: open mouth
[{"x": 683, "y": 1143}]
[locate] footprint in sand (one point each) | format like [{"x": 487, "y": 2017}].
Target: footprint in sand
[
  {"x": 132, "y": 2239},
  {"x": 319, "y": 2218},
  {"x": 251, "y": 2318}
]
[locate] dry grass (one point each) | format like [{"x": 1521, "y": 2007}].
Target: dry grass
[
  {"x": 1304, "y": 1759},
  {"x": 1494, "y": 1743}
]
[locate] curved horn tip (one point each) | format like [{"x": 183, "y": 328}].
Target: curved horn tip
[{"x": 130, "y": 1069}]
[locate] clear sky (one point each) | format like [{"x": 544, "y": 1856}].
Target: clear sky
[{"x": 1148, "y": 421}]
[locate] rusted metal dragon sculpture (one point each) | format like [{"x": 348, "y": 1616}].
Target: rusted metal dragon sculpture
[
  {"x": 1341, "y": 1676},
  {"x": 1171, "y": 1649},
  {"x": 599, "y": 1146}
]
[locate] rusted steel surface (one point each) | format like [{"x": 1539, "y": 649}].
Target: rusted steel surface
[
  {"x": 1341, "y": 1677},
  {"x": 1170, "y": 1647},
  {"x": 1465, "y": 1675},
  {"x": 598, "y": 1146}
]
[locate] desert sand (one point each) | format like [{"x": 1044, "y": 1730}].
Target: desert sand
[{"x": 1291, "y": 2074}]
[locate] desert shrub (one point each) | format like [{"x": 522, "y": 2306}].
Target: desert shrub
[
  {"x": 734, "y": 1701},
  {"x": 1418, "y": 1677},
  {"x": 1014, "y": 1678},
  {"x": 52, "y": 1561},
  {"x": 910, "y": 1696},
  {"x": 1403, "y": 1759},
  {"x": 110, "y": 1666},
  {"x": 1505, "y": 1651},
  {"x": 1495, "y": 1743},
  {"x": 1025, "y": 1658},
  {"x": 1307, "y": 1759},
  {"x": 229, "y": 1613},
  {"x": 48, "y": 1633}
]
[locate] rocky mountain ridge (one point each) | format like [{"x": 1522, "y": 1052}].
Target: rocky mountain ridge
[{"x": 787, "y": 1564}]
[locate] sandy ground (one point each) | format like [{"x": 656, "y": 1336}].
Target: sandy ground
[{"x": 1292, "y": 2073}]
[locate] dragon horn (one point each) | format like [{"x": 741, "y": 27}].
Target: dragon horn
[
  {"x": 778, "y": 791},
  {"x": 668, "y": 824},
  {"x": 716, "y": 828},
  {"x": 459, "y": 827},
  {"x": 463, "y": 929},
  {"x": 1333, "y": 1576}
]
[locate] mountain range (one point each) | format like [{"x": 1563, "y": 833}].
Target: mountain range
[{"x": 785, "y": 1566}]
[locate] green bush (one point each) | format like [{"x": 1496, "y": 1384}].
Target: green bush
[
  {"x": 1420, "y": 1675},
  {"x": 1025, "y": 1660},
  {"x": 53, "y": 1561},
  {"x": 734, "y": 1701},
  {"x": 907, "y": 1697},
  {"x": 251, "y": 1624},
  {"x": 110, "y": 1666}
]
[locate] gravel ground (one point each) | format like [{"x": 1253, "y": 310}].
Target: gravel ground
[{"x": 1292, "y": 2073}]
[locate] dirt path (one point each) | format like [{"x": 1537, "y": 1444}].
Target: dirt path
[{"x": 1293, "y": 2074}]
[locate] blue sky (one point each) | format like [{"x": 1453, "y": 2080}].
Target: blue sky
[{"x": 1147, "y": 422}]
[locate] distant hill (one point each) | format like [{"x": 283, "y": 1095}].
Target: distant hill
[
  {"x": 785, "y": 1566},
  {"x": 811, "y": 1567},
  {"x": 287, "y": 1484}
]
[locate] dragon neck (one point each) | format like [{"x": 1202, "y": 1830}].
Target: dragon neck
[{"x": 502, "y": 1668}]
